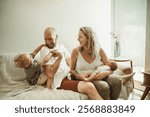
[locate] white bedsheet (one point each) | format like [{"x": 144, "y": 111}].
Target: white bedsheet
[{"x": 14, "y": 86}]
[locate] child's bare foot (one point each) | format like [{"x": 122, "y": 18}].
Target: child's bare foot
[
  {"x": 48, "y": 87},
  {"x": 126, "y": 78}
]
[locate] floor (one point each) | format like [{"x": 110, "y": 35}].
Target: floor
[
  {"x": 138, "y": 88},
  {"x": 136, "y": 95}
]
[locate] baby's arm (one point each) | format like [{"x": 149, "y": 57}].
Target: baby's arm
[{"x": 103, "y": 74}]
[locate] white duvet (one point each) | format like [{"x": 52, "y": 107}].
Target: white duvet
[{"x": 14, "y": 86}]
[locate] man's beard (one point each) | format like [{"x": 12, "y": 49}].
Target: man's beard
[{"x": 50, "y": 47}]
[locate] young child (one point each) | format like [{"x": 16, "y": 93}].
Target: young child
[
  {"x": 33, "y": 69},
  {"x": 106, "y": 70}
]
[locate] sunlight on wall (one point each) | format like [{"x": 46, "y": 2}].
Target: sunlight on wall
[{"x": 22, "y": 22}]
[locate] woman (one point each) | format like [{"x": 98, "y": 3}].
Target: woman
[
  {"x": 86, "y": 58},
  {"x": 60, "y": 80}
]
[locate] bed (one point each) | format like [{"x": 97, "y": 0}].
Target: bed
[{"x": 13, "y": 85}]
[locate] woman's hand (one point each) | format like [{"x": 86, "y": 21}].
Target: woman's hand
[
  {"x": 103, "y": 74},
  {"x": 81, "y": 77},
  {"x": 78, "y": 76}
]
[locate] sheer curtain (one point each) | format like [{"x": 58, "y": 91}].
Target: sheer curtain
[{"x": 130, "y": 27}]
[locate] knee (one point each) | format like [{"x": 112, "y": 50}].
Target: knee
[
  {"x": 90, "y": 88},
  {"x": 115, "y": 88},
  {"x": 103, "y": 89},
  {"x": 117, "y": 82},
  {"x": 101, "y": 86},
  {"x": 114, "y": 82}
]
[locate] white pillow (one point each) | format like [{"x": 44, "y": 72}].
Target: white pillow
[{"x": 8, "y": 70}]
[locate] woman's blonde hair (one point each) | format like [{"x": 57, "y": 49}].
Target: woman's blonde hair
[{"x": 91, "y": 39}]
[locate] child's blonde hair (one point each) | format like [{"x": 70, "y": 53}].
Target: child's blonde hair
[{"x": 21, "y": 61}]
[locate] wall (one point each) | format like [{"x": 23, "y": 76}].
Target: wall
[
  {"x": 22, "y": 22},
  {"x": 147, "y": 49}
]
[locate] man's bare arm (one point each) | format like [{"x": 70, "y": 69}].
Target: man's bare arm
[{"x": 37, "y": 50}]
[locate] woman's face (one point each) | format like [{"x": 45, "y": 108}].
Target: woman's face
[{"x": 82, "y": 39}]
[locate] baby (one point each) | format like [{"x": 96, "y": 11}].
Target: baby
[
  {"x": 33, "y": 69},
  {"x": 106, "y": 70}
]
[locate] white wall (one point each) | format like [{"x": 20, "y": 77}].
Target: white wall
[
  {"x": 147, "y": 50},
  {"x": 130, "y": 25},
  {"x": 22, "y": 22}
]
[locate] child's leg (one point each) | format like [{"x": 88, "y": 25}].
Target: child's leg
[
  {"x": 42, "y": 79},
  {"x": 49, "y": 83},
  {"x": 50, "y": 75}
]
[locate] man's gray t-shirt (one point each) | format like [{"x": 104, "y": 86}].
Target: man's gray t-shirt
[{"x": 33, "y": 72}]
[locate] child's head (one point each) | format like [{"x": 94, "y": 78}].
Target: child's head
[
  {"x": 113, "y": 65},
  {"x": 23, "y": 60}
]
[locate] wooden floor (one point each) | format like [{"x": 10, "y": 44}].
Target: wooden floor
[
  {"x": 138, "y": 91},
  {"x": 138, "y": 85},
  {"x": 137, "y": 94}
]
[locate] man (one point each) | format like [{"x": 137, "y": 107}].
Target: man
[{"x": 50, "y": 38}]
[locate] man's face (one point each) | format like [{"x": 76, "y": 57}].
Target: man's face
[{"x": 50, "y": 39}]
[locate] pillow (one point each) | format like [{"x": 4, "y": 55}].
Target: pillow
[{"x": 8, "y": 70}]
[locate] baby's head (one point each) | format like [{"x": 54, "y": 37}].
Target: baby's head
[
  {"x": 113, "y": 65},
  {"x": 23, "y": 60}
]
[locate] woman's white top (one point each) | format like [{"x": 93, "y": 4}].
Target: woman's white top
[
  {"x": 83, "y": 66},
  {"x": 63, "y": 69}
]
